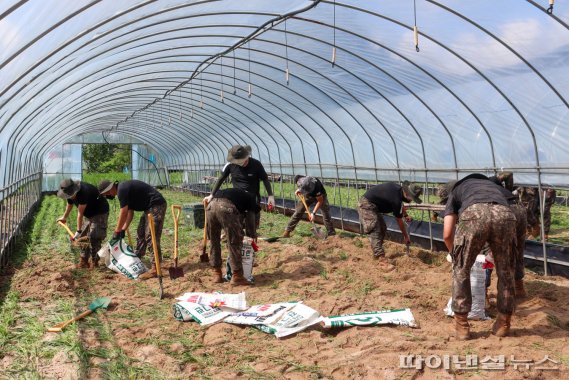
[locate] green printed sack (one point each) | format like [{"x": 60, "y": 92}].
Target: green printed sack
[
  {"x": 402, "y": 317},
  {"x": 119, "y": 257}
]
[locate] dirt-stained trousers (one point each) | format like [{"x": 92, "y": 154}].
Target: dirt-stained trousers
[
  {"x": 222, "y": 214},
  {"x": 143, "y": 236}
]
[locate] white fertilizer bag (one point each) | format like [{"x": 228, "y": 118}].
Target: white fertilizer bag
[
  {"x": 478, "y": 290},
  {"x": 247, "y": 260},
  {"x": 227, "y": 302},
  {"x": 402, "y": 317},
  {"x": 120, "y": 258},
  {"x": 202, "y": 314},
  {"x": 298, "y": 318},
  {"x": 260, "y": 314}
]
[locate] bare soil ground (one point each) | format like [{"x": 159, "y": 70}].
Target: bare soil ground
[{"x": 137, "y": 337}]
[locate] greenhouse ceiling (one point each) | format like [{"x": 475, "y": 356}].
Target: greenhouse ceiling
[{"x": 346, "y": 85}]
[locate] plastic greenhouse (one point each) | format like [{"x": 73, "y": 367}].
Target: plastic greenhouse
[{"x": 351, "y": 91}]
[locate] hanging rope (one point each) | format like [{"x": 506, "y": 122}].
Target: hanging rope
[
  {"x": 415, "y": 29},
  {"x": 221, "y": 74},
  {"x": 169, "y": 112},
  {"x": 550, "y": 9},
  {"x": 191, "y": 100},
  {"x": 201, "y": 91},
  {"x": 334, "y": 42},
  {"x": 286, "y": 55},
  {"x": 180, "y": 103},
  {"x": 234, "y": 79},
  {"x": 249, "y": 92}
]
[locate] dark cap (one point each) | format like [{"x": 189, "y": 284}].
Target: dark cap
[
  {"x": 104, "y": 186},
  {"x": 306, "y": 185},
  {"x": 68, "y": 188},
  {"x": 413, "y": 191},
  {"x": 238, "y": 155}
]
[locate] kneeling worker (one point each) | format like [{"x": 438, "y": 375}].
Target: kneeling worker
[
  {"x": 225, "y": 210},
  {"x": 385, "y": 198},
  {"x": 134, "y": 196},
  {"x": 313, "y": 192}
]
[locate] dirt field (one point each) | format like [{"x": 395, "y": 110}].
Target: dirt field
[{"x": 137, "y": 337}]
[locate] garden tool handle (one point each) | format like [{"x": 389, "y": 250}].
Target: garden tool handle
[
  {"x": 205, "y": 228},
  {"x": 129, "y": 237},
  {"x": 176, "y": 210},
  {"x": 154, "y": 246},
  {"x": 61, "y": 326},
  {"x": 305, "y": 205},
  {"x": 66, "y": 228}
]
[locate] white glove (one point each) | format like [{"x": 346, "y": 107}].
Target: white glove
[
  {"x": 207, "y": 199},
  {"x": 76, "y": 236},
  {"x": 271, "y": 200}
]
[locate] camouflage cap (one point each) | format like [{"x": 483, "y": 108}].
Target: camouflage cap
[
  {"x": 444, "y": 190},
  {"x": 412, "y": 190},
  {"x": 306, "y": 185},
  {"x": 68, "y": 188}
]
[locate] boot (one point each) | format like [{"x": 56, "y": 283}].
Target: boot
[
  {"x": 461, "y": 326},
  {"x": 150, "y": 274},
  {"x": 217, "y": 276},
  {"x": 501, "y": 327},
  {"x": 519, "y": 289},
  {"x": 286, "y": 234},
  {"x": 238, "y": 279},
  {"x": 83, "y": 263}
]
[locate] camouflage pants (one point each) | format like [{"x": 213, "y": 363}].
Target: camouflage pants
[
  {"x": 97, "y": 233},
  {"x": 481, "y": 223},
  {"x": 222, "y": 214},
  {"x": 521, "y": 234},
  {"x": 372, "y": 224},
  {"x": 299, "y": 213},
  {"x": 143, "y": 236}
]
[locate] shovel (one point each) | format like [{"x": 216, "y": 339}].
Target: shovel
[
  {"x": 129, "y": 238},
  {"x": 174, "y": 271},
  {"x": 102, "y": 302},
  {"x": 204, "y": 257},
  {"x": 271, "y": 239},
  {"x": 156, "y": 255},
  {"x": 316, "y": 231}
]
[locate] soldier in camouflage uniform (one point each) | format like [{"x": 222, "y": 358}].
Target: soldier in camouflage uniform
[
  {"x": 385, "y": 198},
  {"x": 485, "y": 216},
  {"x": 550, "y": 195},
  {"x": 91, "y": 207},
  {"x": 529, "y": 198},
  {"x": 225, "y": 210},
  {"x": 134, "y": 196}
]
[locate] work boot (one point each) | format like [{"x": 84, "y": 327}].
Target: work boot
[
  {"x": 461, "y": 326},
  {"x": 238, "y": 279},
  {"x": 501, "y": 327},
  {"x": 150, "y": 274},
  {"x": 520, "y": 290},
  {"x": 83, "y": 263},
  {"x": 380, "y": 253},
  {"x": 286, "y": 234},
  {"x": 217, "y": 276}
]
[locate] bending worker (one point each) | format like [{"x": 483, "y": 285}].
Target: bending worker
[
  {"x": 385, "y": 198},
  {"x": 134, "y": 196},
  {"x": 485, "y": 217},
  {"x": 226, "y": 210},
  {"x": 246, "y": 173},
  {"x": 313, "y": 191},
  {"x": 94, "y": 208}
]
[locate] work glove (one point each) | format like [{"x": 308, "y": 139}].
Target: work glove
[
  {"x": 207, "y": 199},
  {"x": 271, "y": 202},
  {"x": 76, "y": 236},
  {"x": 311, "y": 216},
  {"x": 118, "y": 235},
  {"x": 408, "y": 219}
]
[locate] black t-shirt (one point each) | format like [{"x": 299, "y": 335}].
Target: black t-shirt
[
  {"x": 138, "y": 195},
  {"x": 473, "y": 191},
  {"x": 388, "y": 197},
  {"x": 318, "y": 189},
  {"x": 89, "y": 195},
  {"x": 243, "y": 200},
  {"x": 246, "y": 177}
]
